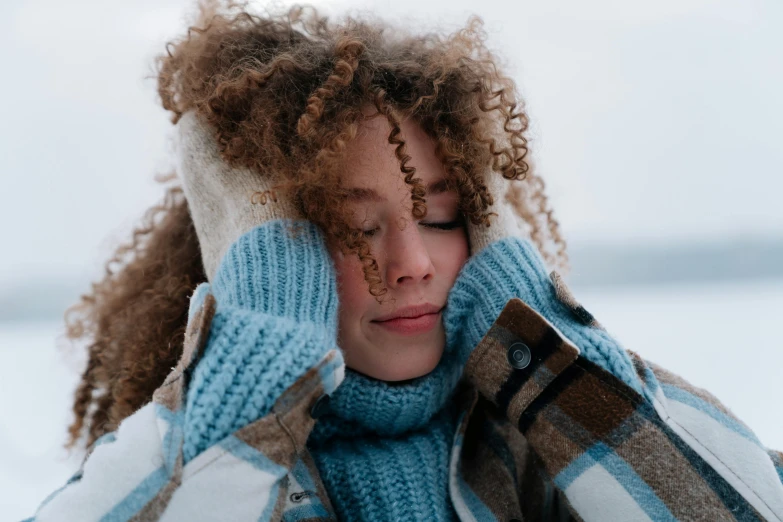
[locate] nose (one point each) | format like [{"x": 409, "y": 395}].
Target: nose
[{"x": 408, "y": 261}]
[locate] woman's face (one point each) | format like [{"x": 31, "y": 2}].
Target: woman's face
[{"x": 402, "y": 338}]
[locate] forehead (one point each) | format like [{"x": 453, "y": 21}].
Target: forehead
[{"x": 371, "y": 160}]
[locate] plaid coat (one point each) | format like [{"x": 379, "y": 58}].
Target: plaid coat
[{"x": 544, "y": 434}]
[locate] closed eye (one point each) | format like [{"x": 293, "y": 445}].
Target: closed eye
[
  {"x": 450, "y": 225},
  {"x": 370, "y": 233}
]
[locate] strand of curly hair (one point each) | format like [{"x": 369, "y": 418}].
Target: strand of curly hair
[{"x": 148, "y": 281}]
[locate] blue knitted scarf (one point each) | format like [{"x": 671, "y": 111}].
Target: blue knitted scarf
[{"x": 383, "y": 448}]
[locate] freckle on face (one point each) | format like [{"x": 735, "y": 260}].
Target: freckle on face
[{"x": 417, "y": 263}]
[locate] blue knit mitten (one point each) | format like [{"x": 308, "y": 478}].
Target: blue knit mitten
[
  {"x": 276, "y": 317},
  {"x": 275, "y": 289},
  {"x": 512, "y": 268}
]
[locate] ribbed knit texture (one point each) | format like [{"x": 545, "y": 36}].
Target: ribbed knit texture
[
  {"x": 276, "y": 317},
  {"x": 281, "y": 268},
  {"x": 403, "y": 478},
  {"x": 383, "y": 449},
  {"x": 362, "y": 405},
  {"x": 512, "y": 267}
]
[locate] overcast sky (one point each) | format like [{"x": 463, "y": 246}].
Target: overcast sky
[{"x": 651, "y": 120}]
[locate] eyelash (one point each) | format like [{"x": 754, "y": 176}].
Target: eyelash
[{"x": 451, "y": 225}]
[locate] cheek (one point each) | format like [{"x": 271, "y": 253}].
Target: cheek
[
  {"x": 352, "y": 288},
  {"x": 449, "y": 253}
]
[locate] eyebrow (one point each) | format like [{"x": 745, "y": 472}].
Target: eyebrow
[{"x": 365, "y": 194}]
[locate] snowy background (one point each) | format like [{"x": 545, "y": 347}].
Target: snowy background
[{"x": 656, "y": 124}]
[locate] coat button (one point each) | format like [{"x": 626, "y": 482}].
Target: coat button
[
  {"x": 320, "y": 407},
  {"x": 518, "y": 355}
]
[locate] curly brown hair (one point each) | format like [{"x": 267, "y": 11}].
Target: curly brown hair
[{"x": 284, "y": 94}]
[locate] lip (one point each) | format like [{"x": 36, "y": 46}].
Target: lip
[
  {"x": 409, "y": 312},
  {"x": 411, "y": 320}
]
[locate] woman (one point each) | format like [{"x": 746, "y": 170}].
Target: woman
[{"x": 373, "y": 334}]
